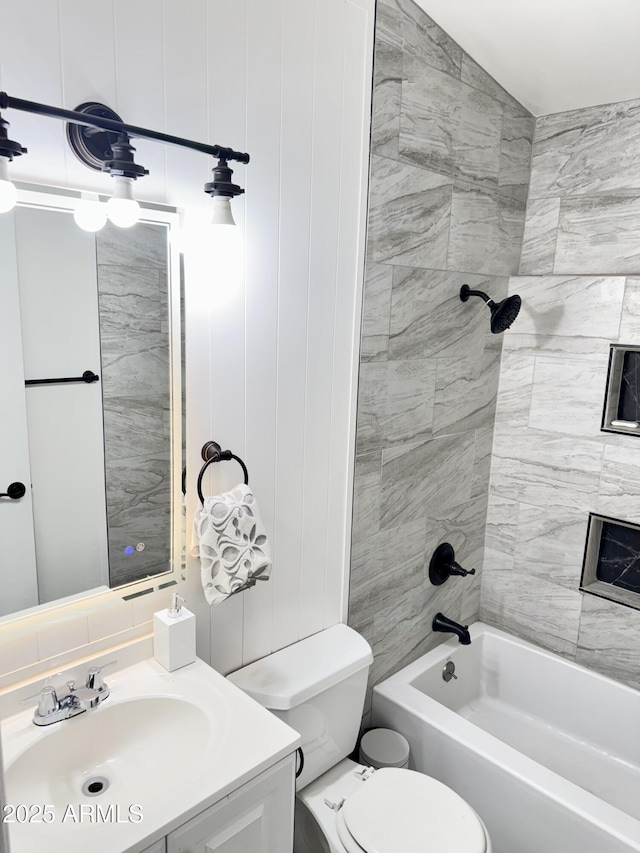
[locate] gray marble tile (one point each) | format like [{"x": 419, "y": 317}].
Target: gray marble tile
[
  {"x": 134, "y": 365},
  {"x": 514, "y": 393},
  {"x": 586, "y": 151},
  {"x": 502, "y": 524},
  {"x": 630, "y": 322},
  {"x": 515, "y": 151},
  {"x": 476, "y": 76},
  {"x": 542, "y": 612},
  {"x": 409, "y": 211},
  {"x": 374, "y": 348},
  {"x": 609, "y": 640},
  {"x": 408, "y": 493},
  {"x": 389, "y": 21},
  {"x": 555, "y": 346},
  {"x": 486, "y": 231},
  {"x": 428, "y": 319},
  {"x": 599, "y": 234},
  {"x": 465, "y": 397},
  {"x": 387, "y": 93},
  {"x": 575, "y": 306},
  {"x": 132, "y": 299},
  {"x": 385, "y": 566},
  {"x": 619, "y": 494},
  {"x": 424, "y": 42},
  {"x": 366, "y": 497},
  {"x": 395, "y": 403},
  {"x": 540, "y": 235},
  {"x": 135, "y": 426},
  {"x": 550, "y": 543},
  {"x": 376, "y": 306},
  {"x": 482, "y": 448},
  {"x": 144, "y": 245},
  {"x": 451, "y": 128},
  {"x": 543, "y": 469},
  {"x": 568, "y": 395}
]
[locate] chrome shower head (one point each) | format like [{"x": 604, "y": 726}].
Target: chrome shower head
[{"x": 502, "y": 313}]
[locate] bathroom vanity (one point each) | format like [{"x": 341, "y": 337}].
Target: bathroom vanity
[{"x": 168, "y": 763}]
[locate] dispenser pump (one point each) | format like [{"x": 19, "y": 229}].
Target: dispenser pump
[
  {"x": 176, "y": 605},
  {"x": 174, "y": 635}
]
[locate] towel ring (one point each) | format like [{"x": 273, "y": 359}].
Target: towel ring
[{"x": 212, "y": 452}]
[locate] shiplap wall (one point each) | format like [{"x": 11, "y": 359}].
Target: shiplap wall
[{"x": 271, "y": 374}]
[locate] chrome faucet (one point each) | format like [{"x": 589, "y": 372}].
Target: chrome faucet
[{"x": 53, "y": 707}]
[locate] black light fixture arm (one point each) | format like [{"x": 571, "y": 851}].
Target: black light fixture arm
[{"x": 74, "y": 117}]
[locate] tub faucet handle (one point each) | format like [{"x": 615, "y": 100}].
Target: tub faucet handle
[{"x": 443, "y": 564}]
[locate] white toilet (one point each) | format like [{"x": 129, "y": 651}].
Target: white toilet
[{"x": 318, "y": 686}]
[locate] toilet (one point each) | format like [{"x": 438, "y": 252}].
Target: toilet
[{"x": 318, "y": 686}]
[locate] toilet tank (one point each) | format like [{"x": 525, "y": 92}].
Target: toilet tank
[{"x": 317, "y": 686}]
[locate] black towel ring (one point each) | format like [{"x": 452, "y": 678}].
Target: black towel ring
[{"x": 212, "y": 452}]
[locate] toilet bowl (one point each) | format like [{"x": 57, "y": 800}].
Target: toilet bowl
[{"x": 318, "y": 686}]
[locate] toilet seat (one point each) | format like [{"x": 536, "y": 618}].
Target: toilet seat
[{"x": 400, "y": 809}]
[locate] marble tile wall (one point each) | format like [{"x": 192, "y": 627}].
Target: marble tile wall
[
  {"x": 552, "y": 465},
  {"x": 132, "y": 293},
  {"x": 449, "y": 174},
  {"x": 583, "y": 215}
]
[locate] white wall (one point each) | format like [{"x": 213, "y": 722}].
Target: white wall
[{"x": 271, "y": 374}]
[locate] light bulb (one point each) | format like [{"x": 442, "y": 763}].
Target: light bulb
[
  {"x": 90, "y": 214},
  {"x": 225, "y": 250},
  {"x": 8, "y": 192},
  {"x": 122, "y": 208}
]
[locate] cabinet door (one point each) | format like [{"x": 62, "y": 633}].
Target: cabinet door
[
  {"x": 257, "y": 818},
  {"x": 158, "y": 847}
]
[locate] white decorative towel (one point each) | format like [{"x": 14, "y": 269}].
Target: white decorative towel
[{"x": 230, "y": 539}]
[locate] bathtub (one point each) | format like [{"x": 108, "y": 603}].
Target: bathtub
[{"x": 547, "y": 752}]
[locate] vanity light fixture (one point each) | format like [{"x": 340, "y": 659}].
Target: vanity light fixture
[
  {"x": 91, "y": 213},
  {"x": 8, "y": 150},
  {"x": 102, "y": 141},
  {"x": 122, "y": 208}
]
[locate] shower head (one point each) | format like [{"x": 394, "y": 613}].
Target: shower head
[{"x": 502, "y": 313}]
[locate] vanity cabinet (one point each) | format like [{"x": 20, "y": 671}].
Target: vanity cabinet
[{"x": 258, "y": 817}]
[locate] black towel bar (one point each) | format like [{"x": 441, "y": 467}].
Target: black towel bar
[
  {"x": 88, "y": 376},
  {"x": 212, "y": 452}
]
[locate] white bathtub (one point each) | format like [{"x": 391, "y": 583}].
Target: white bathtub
[{"x": 547, "y": 752}]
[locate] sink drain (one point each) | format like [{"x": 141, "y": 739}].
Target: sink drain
[{"x": 95, "y": 786}]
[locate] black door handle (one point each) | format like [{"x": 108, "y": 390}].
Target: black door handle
[{"x": 15, "y": 491}]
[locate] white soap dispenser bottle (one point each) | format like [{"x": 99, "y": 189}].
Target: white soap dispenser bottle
[{"x": 174, "y": 635}]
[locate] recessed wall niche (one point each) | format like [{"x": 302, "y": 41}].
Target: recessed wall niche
[
  {"x": 621, "y": 412},
  {"x": 611, "y": 567}
]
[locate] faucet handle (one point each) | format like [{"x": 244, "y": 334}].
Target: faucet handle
[
  {"x": 47, "y": 700},
  {"x": 95, "y": 681}
]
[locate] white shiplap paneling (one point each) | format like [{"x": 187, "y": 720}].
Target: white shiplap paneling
[{"x": 272, "y": 373}]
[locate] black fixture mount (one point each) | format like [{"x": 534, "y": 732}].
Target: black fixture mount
[
  {"x": 445, "y": 625},
  {"x": 93, "y": 145},
  {"x": 15, "y": 491},
  {"x": 8, "y": 148},
  {"x": 443, "y": 565},
  {"x": 502, "y": 313}
]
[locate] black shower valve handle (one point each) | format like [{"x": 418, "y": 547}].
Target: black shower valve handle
[
  {"x": 456, "y": 569},
  {"x": 443, "y": 564}
]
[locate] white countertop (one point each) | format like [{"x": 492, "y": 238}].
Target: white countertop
[{"x": 242, "y": 740}]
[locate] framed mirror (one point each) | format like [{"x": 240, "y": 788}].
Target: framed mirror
[{"x": 91, "y": 404}]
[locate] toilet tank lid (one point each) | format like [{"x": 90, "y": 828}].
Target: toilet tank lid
[{"x": 295, "y": 674}]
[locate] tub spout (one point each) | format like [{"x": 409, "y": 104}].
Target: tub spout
[{"x": 446, "y": 625}]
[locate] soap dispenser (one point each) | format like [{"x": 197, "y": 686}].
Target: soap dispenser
[{"x": 174, "y": 635}]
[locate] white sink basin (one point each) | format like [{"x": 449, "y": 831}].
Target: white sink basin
[
  {"x": 127, "y": 746},
  {"x": 170, "y": 744}
]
